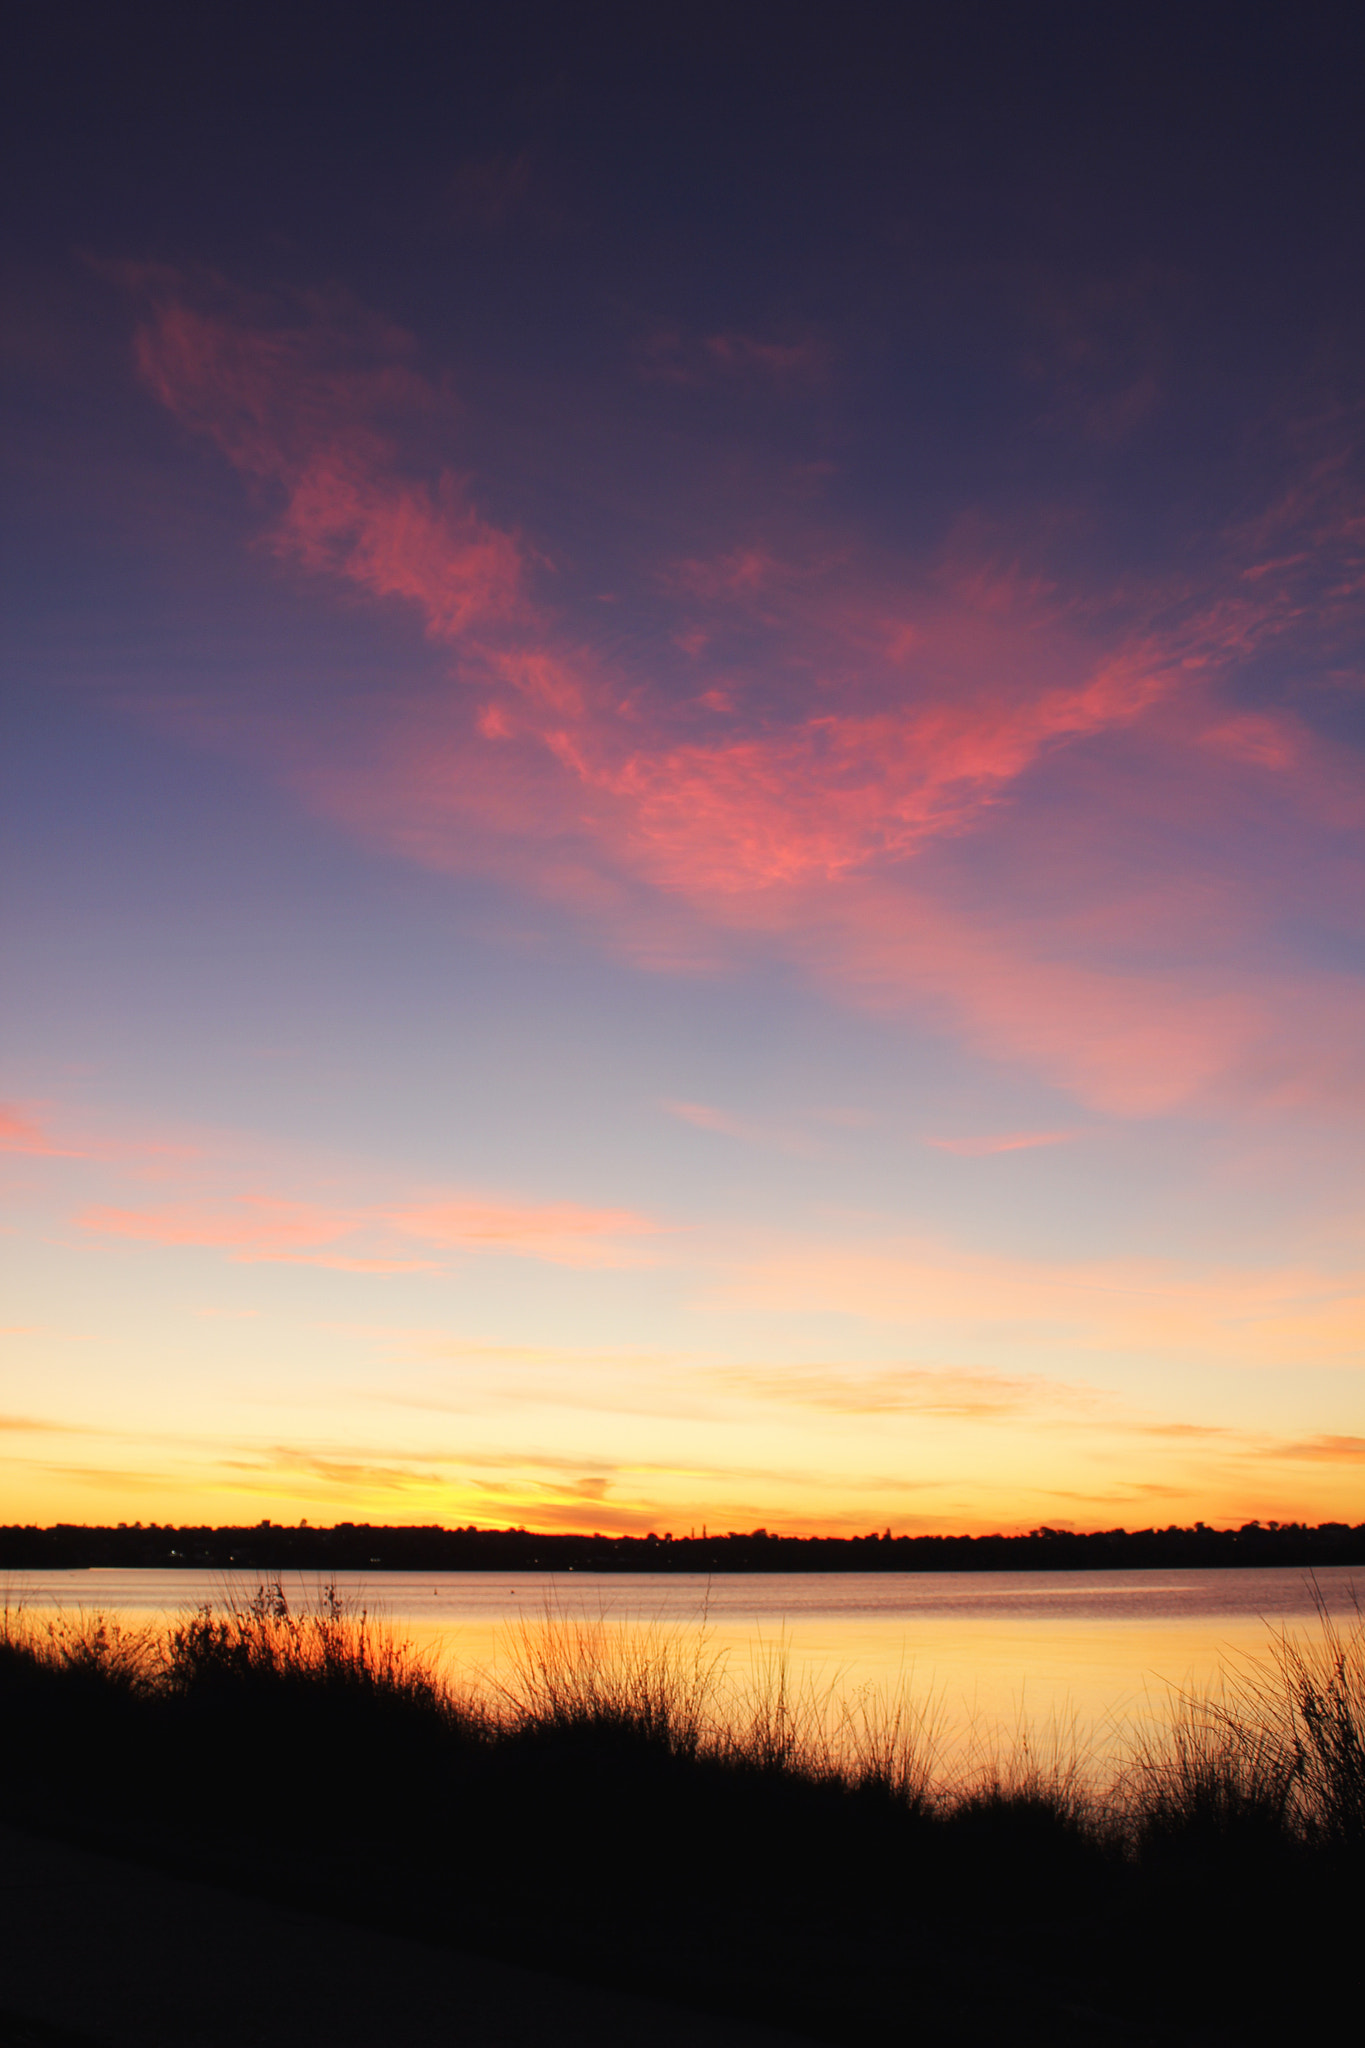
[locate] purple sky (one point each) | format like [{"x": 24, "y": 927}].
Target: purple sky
[{"x": 683, "y": 751}]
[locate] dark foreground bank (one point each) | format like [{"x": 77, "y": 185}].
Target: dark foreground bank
[
  {"x": 273, "y": 1548},
  {"x": 100, "y": 1952},
  {"x": 596, "y": 1820}
]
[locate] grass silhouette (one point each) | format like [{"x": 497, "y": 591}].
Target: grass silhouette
[{"x": 615, "y": 1806}]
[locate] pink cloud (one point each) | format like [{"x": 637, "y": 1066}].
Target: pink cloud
[
  {"x": 740, "y": 574},
  {"x": 1258, "y": 739},
  {"x": 1249, "y": 1316},
  {"x": 26, "y": 1129},
  {"x": 1122, "y": 1036},
  {"x": 296, "y": 405},
  {"x": 251, "y": 1228},
  {"x": 773, "y": 358},
  {"x": 408, "y": 541},
  {"x": 565, "y": 1233},
  {"x": 303, "y": 408},
  {"x": 776, "y": 843},
  {"x": 800, "y": 793},
  {"x": 838, "y": 792},
  {"x": 685, "y": 853},
  {"x": 802, "y": 838},
  {"x": 254, "y": 1229},
  {"x": 670, "y": 357},
  {"x": 1012, "y": 1141},
  {"x": 488, "y": 193},
  {"x": 703, "y": 1117},
  {"x": 21, "y": 1132},
  {"x": 1112, "y": 418}
]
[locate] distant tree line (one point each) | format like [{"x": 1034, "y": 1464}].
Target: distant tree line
[{"x": 364, "y": 1546}]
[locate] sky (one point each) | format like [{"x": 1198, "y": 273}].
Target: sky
[{"x": 684, "y": 766}]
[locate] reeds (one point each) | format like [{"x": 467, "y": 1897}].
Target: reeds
[
  {"x": 1213, "y": 1775},
  {"x": 670, "y": 1690},
  {"x": 649, "y": 1686},
  {"x": 1322, "y": 1683},
  {"x": 255, "y": 1641},
  {"x": 1278, "y": 1750},
  {"x": 1275, "y": 1755},
  {"x": 89, "y": 1649},
  {"x": 614, "y": 1802},
  {"x": 326, "y": 1646}
]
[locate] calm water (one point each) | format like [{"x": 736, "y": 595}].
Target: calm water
[{"x": 1097, "y": 1651}]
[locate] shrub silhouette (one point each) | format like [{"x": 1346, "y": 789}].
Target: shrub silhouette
[{"x": 616, "y": 1806}]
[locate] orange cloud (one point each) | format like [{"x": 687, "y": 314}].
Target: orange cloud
[
  {"x": 1327, "y": 1450},
  {"x": 907, "y": 1391},
  {"x": 741, "y": 574},
  {"x": 33, "y": 1425}
]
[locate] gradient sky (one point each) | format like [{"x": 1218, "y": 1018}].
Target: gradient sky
[{"x": 683, "y": 750}]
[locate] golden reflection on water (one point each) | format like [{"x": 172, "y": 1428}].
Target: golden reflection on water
[
  {"x": 1086, "y": 1681},
  {"x": 1083, "y": 1660}
]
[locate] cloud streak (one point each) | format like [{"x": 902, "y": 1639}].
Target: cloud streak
[
  {"x": 1109, "y": 1307},
  {"x": 1008, "y": 1141},
  {"x": 704, "y": 1116},
  {"x": 256, "y": 1228},
  {"x": 850, "y": 727},
  {"x": 306, "y": 400},
  {"x": 21, "y": 1131},
  {"x": 909, "y": 1390}
]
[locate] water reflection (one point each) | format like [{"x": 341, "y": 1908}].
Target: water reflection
[{"x": 1089, "y": 1654}]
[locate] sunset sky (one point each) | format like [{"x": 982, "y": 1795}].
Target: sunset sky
[{"x": 684, "y": 766}]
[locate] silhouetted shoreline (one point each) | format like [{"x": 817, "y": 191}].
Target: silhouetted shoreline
[
  {"x": 364, "y": 1546},
  {"x": 606, "y": 1810}
]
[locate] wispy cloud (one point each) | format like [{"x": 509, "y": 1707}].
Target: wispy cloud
[
  {"x": 37, "y": 1425},
  {"x": 1006, "y": 1141},
  {"x": 669, "y": 356},
  {"x": 846, "y": 725},
  {"x": 908, "y": 1390},
  {"x": 22, "y": 1131},
  {"x": 254, "y": 1228},
  {"x": 236, "y": 1195},
  {"x": 294, "y": 396},
  {"x": 704, "y": 1117},
  {"x": 32, "y": 1129},
  {"x": 1253, "y": 1316},
  {"x": 565, "y": 1233},
  {"x": 1327, "y": 1450}
]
